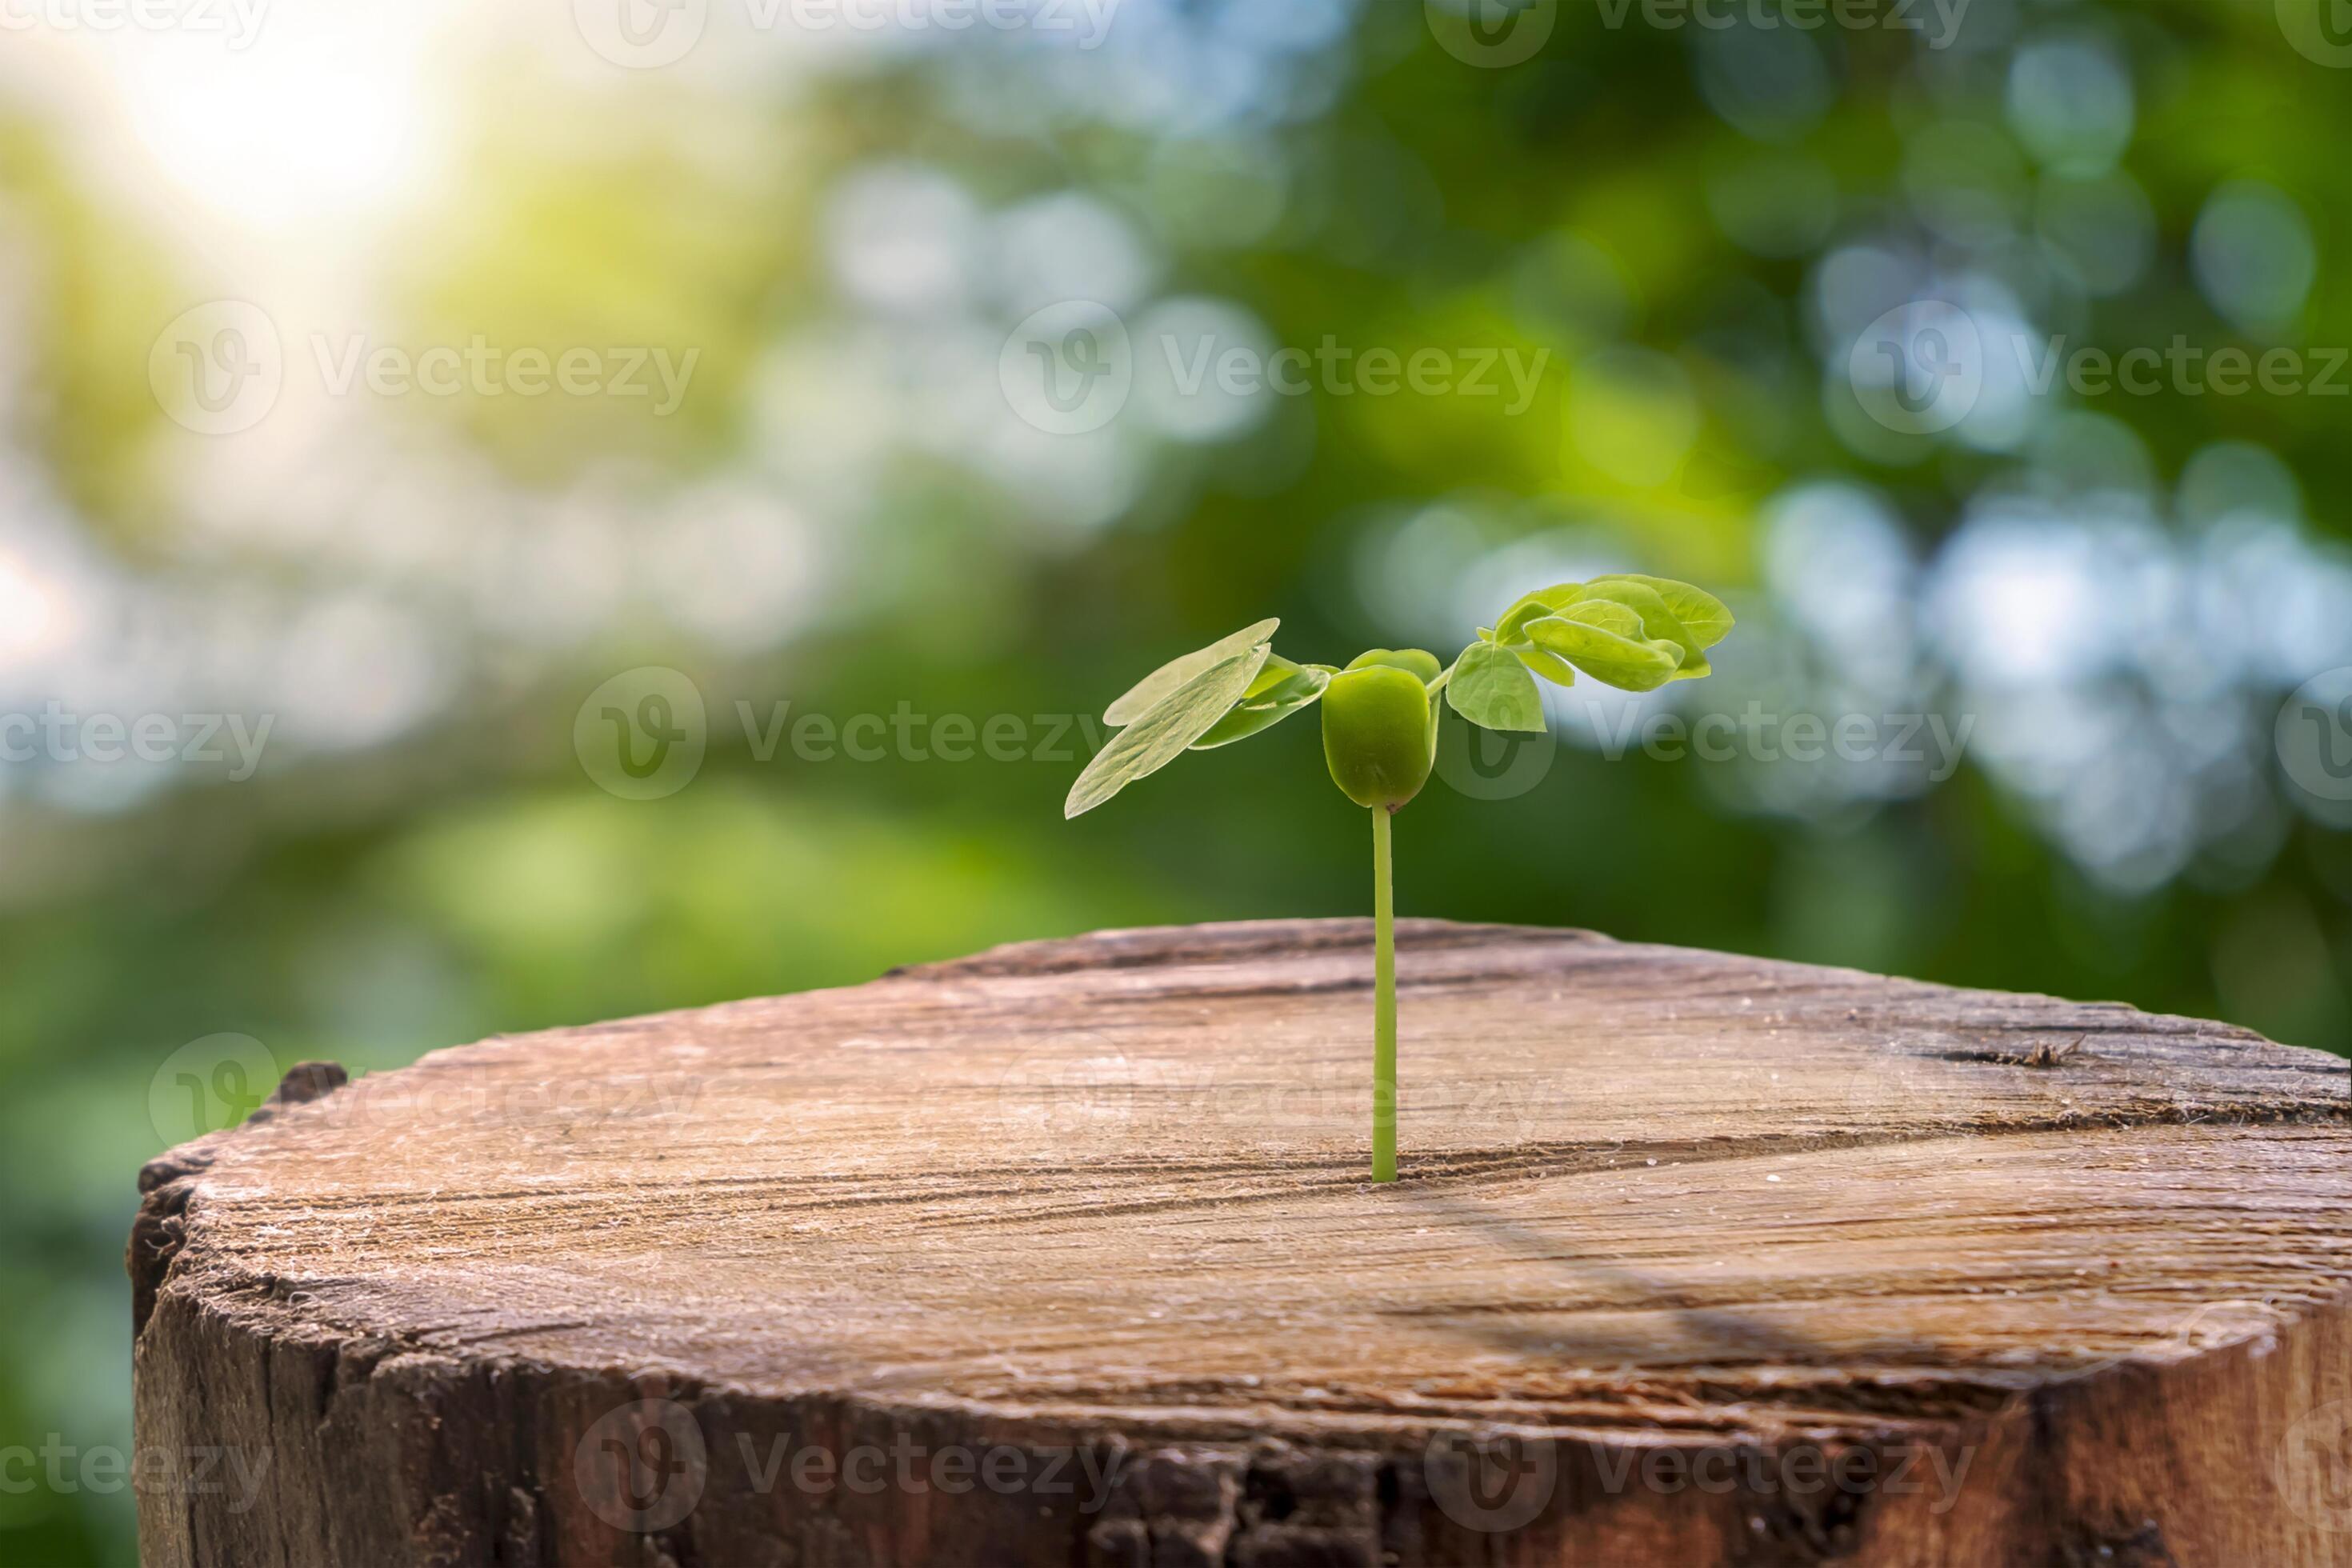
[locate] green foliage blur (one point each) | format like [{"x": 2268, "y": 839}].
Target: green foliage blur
[{"x": 1676, "y": 233}]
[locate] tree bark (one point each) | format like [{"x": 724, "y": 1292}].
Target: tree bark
[{"x": 1067, "y": 1254}]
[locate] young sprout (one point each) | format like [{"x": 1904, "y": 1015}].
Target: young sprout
[{"x": 1380, "y": 718}]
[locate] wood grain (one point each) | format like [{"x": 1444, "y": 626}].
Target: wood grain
[{"x": 1697, "y": 1259}]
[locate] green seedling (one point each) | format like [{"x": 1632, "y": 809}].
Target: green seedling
[{"x": 1380, "y": 718}]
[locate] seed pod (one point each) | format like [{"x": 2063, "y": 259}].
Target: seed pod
[
  {"x": 1378, "y": 732},
  {"x": 1412, "y": 660}
]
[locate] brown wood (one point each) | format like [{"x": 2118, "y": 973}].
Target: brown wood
[{"x": 1063, "y": 1254}]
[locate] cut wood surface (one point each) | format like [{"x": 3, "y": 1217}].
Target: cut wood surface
[{"x": 1065, "y": 1254}]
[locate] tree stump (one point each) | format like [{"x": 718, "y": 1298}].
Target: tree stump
[{"x": 1065, "y": 1254}]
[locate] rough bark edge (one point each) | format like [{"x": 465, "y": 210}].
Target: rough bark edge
[
  {"x": 419, "y": 1454},
  {"x": 166, "y": 1183}
]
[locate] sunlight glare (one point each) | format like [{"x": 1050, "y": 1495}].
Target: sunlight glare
[{"x": 322, "y": 121}]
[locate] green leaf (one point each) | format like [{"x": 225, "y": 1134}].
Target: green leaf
[
  {"x": 1627, "y": 663},
  {"x": 1618, "y": 620},
  {"x": 1702, "y": 612},
  {"x": 1281, "y": 690},
  {"x": 1419, "y": 663},
  {"x": 1495, "y": 691},
  {"x": 1543, "y": 602},
  {"x": 1161, "y": 736},
  {"x": 1659, "y": 624},
  {"x": 1161, "y": 683},
  {"x": 1549, "y": 664}
]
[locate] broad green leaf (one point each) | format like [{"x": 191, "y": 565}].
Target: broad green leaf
[
  {"x": 1419, "y": 663},
  {"x": 1161, "y": 736},
  {"x": 1659, "y": 624},
  {"x": 1549, "y": 664},
  {"x": 1698, "y": 609},
  {"x": 1543, "y": 602},
  {"x": 1624, "y": 662},
  {"x": 1161, "y": 683},
  {"x": 1495, "y": 691},
  {"x": 1281, "y": 690},
  {"x": 1618, "y": 620}
]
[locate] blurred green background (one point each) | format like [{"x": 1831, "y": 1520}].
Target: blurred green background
[{"x": 1685, "y": 231}]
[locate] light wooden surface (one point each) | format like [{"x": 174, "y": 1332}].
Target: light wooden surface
[{"x": 1679, "y": 1234}]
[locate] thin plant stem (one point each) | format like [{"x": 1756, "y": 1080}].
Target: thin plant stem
[{"x": 1384, "y": 1004}]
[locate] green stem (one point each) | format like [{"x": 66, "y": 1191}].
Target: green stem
[{"x": 1384, "y": 1003}]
